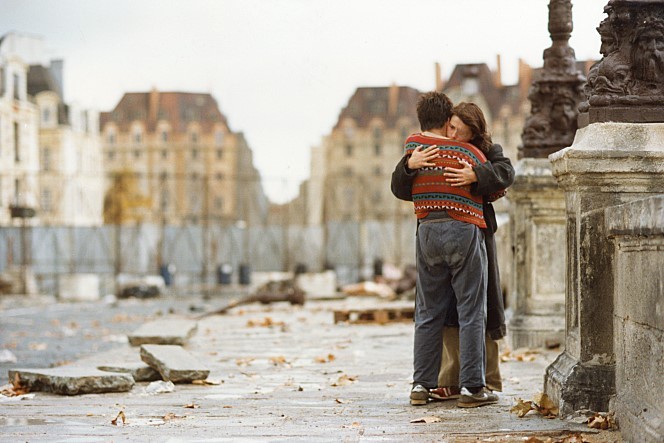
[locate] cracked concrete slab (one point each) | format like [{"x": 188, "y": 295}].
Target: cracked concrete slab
[
  {"x": 174, "y": 363},
  {"x": 164, "y": 332},
  {"x": 72, "y": 380},
  {"x": 139, "y": 370}
]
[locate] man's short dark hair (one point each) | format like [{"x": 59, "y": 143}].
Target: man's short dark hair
[{"x": 434, "y": 109}]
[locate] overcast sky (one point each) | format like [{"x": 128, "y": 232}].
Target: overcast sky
[{"x": 281, "y": 70}]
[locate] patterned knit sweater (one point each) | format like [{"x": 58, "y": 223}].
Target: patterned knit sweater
[{"x": 430, "y": 190}]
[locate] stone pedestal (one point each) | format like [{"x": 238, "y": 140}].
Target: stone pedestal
[
  {"x": 607, "y": 165},
  {"x": 538, "y": 268}
]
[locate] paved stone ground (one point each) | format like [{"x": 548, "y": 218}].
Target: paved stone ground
[{"x": 285, "y": 374}]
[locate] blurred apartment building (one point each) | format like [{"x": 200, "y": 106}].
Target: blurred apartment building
[
  {"x": 171, "y": 158},
  {"x": 50, "y": 156},
  {"x": 351, "y": 169}
]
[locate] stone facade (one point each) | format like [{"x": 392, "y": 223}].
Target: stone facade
[
  {"x": 19, "y": 129},
  {"x": 175, "y": 159},
  {"x": 609, "y": 164},
  {"x": 637, "y": 231}
]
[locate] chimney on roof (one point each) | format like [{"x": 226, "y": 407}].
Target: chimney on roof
[
  {"x": 393, "y": 99},
  {"x": 153, "y": 106},
  {"x": 525, "y": 78},
  {"x": 55, "y": 68},
  {"x": 498, "y": 73},
  {"x": 439, "y": 78}
]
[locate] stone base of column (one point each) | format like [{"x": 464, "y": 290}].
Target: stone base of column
[
  {"x": 536, "y": 331},
  {"x": 573, "y": 385}
]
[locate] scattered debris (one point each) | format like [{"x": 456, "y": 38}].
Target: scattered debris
[
  {"x": 71, "y": 380},
  {"x": 379, "y": 316},
  {"x": 521, "y": 354},
  {"x": 164, "y": 332},
  {"x": 7, "y": 356},
  {"x": 430, "y": 419},
  {"x": 270, "y": 292},
  {"x": 207, "y": 382},
  {"x": 191, "y": 406},
  {"x": 265, "y": 323},
  {"x": 160, "y": 387},
  {"x": 369, "y": 288},
  {"x": 148, "y": 286},
  {"x": 121, "y": 415},
  {"x": 602, "y": 420},
  {"x": 325, "y": 359},
  {"x": 174, "y": 363},
  {"x": 541, "y": 403},
  {"x": 139, "y": 370},
  {"x": 344, "y": 380}
]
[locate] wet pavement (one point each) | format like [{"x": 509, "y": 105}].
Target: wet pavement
[{"x": 279, "y": 373}]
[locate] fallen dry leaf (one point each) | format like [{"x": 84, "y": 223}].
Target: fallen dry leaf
[
  {"x": 265, "y": 322},
  {"x": 545, "y": 405},
  {"x": 340, "y": 401},
  {"x": 522, "y": 407},
  {"x": 121, "y": 415},
  {"x": 207, "y": 381},
  {"x": 244, "y": 361},
  {"x": 191, "y": 406},
  {"x": 324, "y": 359},
  {"x": 171, "y": 416},
  {"x": 602, "y": 421},
  {"x": 38, "y": 346},
  {"x": 279, "y": 360},
  {"x": 430, "y": 419},
  {"x": 344, "y": 380}
]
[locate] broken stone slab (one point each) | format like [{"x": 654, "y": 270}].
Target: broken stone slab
[
  {"x": 164, "y": 332},
  {"x": 139, "y": 370},
  {"x": 174, "y": 363},
  {"x": 72, "y": 380}
]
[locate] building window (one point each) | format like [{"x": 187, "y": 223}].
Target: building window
[
  {"x": 377, "y": 197},
  {"x": 194, "y": 137},
  {"x": 17, "y": 87},
  {"x": 194, "y": 154},
  {"x": 138, "y": 137},
  {"x": 46, "y": 159},
  {"x": 164, "y": 154},
  {"x": 17, "y": 143},
  {"x": 46, "y": 116},
  {"x": 163, "y": 175},
  {"x": 111, "y": 155},
  {"x": 219, "y": 176},
  {"x": 46, "y": 201},
  {"x": 219, "y": 138},
  {"x": 137, "y": 153},
  {"x": 220, "y": 154},
  {"x": 164, "y": 200},
  {"x": 218, "y": 203},
  {"x": 377, "y": 149},
  {"x": 111, "y": 138},
  {"x": 164, "y": 136},
  {"x": 349, "y": 150},
  {"x": 377, "y": 171},
  {"x": 378, "y": 133},
  {"x": 348, "y": 172}
]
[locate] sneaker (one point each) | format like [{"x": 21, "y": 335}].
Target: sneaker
[
  {"x": 445, "y": 393},
  {"x": 419, "y": 395},
  {"x": 482, "y": 398}
]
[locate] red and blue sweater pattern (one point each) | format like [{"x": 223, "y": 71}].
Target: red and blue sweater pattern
[{"x": 430, "y": 190}]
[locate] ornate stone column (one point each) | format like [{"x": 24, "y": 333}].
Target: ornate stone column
[
  {"x": 538, "y": 210},
  {"x": 616, "y": 158}
]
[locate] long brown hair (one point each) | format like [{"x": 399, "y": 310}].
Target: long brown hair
[{"x": 473, "y": 117}]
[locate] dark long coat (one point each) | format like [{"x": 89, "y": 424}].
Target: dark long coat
[{"x": 493, "y": 176}]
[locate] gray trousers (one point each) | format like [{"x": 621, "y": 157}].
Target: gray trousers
[{"x": 451, "y": 263}]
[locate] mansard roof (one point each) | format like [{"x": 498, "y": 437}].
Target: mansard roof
[
  {"x": 368, "y": 103},
  {"x": 41, "y": 79},
  {"x": 177, "y": 108}
]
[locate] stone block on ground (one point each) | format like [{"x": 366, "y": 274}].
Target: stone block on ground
[
  {"x": 71, "y": 380},
  {"x": 164, "y": 332},
  {"x": 139, "y": 370},
  {"x": 174, "y": 363}
]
